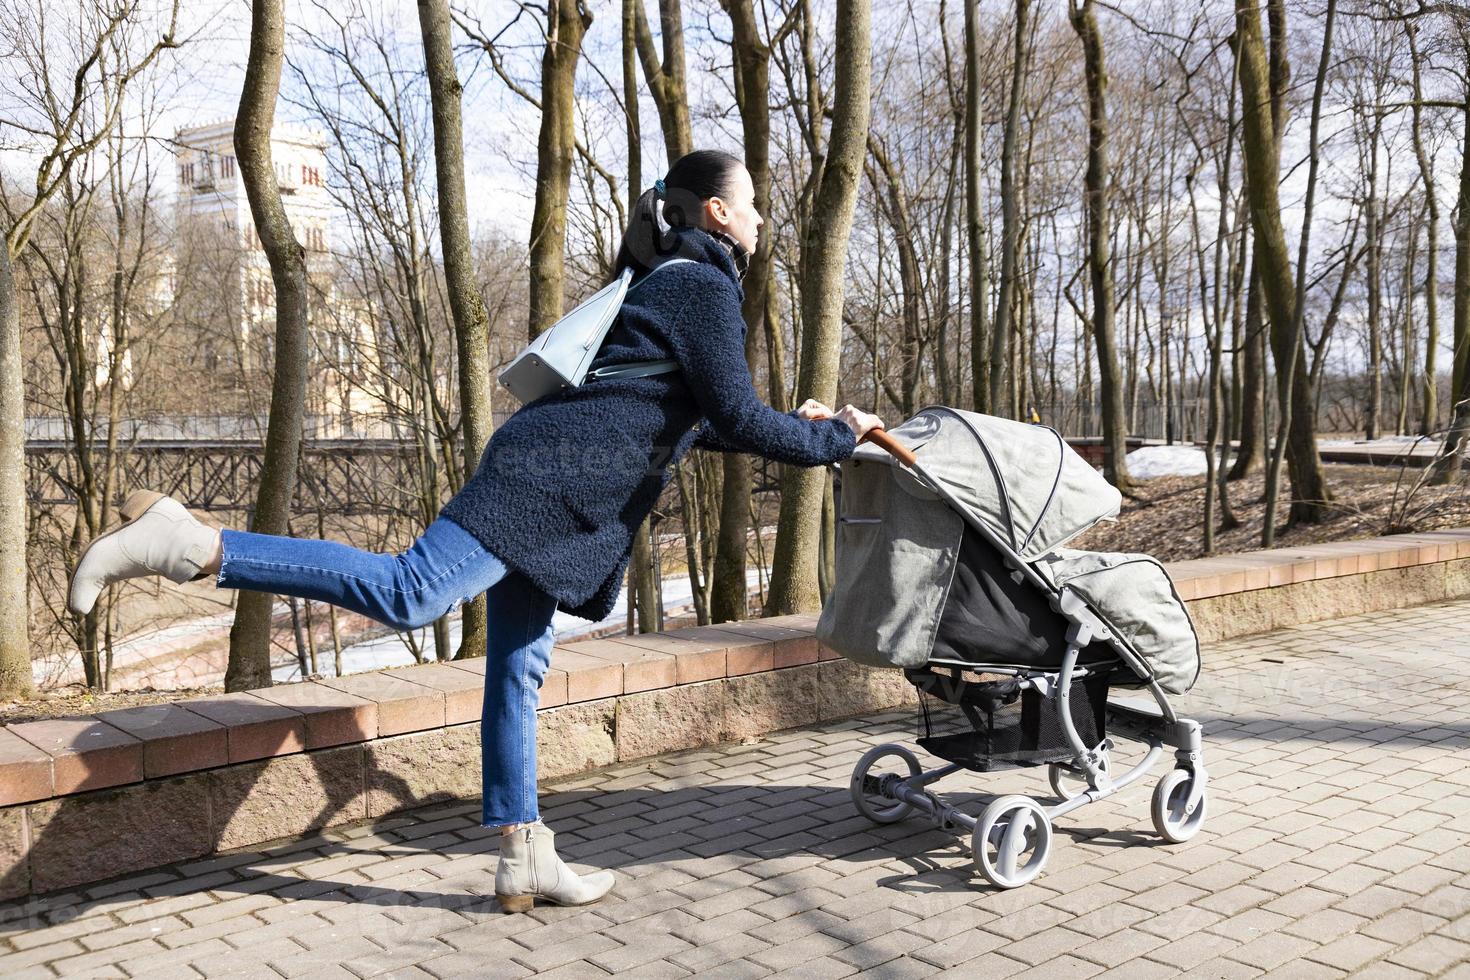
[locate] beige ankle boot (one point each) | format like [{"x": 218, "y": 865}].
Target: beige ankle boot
[
  {"x": 157, "y": 537},
  {"x": 529, "y": 869}
]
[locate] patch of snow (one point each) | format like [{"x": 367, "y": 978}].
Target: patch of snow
[
  {"x": 1149, "y": 462},
  {"x": 1382, "y": 440},
  {"x": 138, "y": 648}
]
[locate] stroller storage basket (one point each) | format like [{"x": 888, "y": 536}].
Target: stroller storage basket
[{"x": 985, "y": 723}]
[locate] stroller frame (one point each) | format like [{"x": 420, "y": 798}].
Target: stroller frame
[{"x": 1011, "y": 838}]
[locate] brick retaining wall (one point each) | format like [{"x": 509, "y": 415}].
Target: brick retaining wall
[{"x": 87, "y": 798}]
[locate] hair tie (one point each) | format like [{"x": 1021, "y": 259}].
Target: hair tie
[{"x": 658, "y": 187}]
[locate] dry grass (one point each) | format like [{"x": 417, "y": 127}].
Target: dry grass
[{"x": 1164, "y": 518}]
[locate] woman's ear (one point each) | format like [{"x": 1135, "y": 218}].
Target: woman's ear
[{"x": 716, "y": 214}]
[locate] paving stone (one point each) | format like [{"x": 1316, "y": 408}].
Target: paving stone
[
  {"x": 13, "y": 962},
  {"x": 1351, "y": 951},
  {"x": 711, "y": 956},
  {"x": 1120, "y": 947},
  {"x": 566, "y": 951},
  {"x": 1271, "y": 950},
  {"x": 798, "y": 951},
  {"x": 474, "y": 965},
  {"x": 1432, "y": 954},
  {"x": 1337, "y": 843}
]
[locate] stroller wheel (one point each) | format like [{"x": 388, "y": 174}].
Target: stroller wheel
[
  {"x": 1067, "y": 782},
  {"x": 1012, "y": 841},
  {"x": 1174, "y": 821},
  {"x": 868, "y": 791}
]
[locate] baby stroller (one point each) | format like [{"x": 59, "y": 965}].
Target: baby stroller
[{"x": 950, "y": 565}]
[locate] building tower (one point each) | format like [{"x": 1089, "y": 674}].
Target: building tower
[{"x": 212, "y": 199}]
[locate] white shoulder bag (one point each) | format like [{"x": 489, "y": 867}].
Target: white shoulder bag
[{"x": 558, "y": 358}]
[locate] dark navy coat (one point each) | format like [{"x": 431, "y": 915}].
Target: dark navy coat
[{"x": 565, "y": 483}]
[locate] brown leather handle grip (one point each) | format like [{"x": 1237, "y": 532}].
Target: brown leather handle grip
[{"x": 896, "y": 449}]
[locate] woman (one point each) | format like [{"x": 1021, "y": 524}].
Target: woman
[{"x": 548, "y": 518}]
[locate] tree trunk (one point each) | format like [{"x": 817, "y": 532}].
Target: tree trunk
[
  {"x": 730, "y": 599},
  {"x": 15, "y": 657},
  {"x": 897, "y": 209},
  {"x": 1375, "y": 290},
  {"x": 1000, "y": 340},
  {"x": 471, "y": 322},
  {"x": 1253, "y": 412},
  {"x": 975, "y": 217},
  {"x": 555, "y": 144},
  {"x": 249, "y": 664},
  {"x": 1430, "y": 404},
  {"x": 1449, "y": 467},
  {"x": 775, "y": 353},
  {"x": 667, "y": 81},
  {"x": 1309, "y": 485},
  {"x": 1461, "y": 328},
  {"x": 794, "y": 586},
  {"x": 668, "y": 84},
  {"x": 642, "y": 589},
  {"x": 1251, "y": 454},
  {"x": 1099, "y": 258}
]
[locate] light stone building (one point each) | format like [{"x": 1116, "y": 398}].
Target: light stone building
[{"x": 211, "y": 191}]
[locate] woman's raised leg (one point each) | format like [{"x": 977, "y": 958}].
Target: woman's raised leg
[{"x": 446, "y": 566}]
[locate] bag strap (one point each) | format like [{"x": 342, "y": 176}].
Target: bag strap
[
  {"x": 662, "y": 265},
  {"x": 638, "y": 369}
]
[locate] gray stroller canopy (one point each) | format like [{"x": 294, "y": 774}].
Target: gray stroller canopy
[
  {"x": 1022, "y": 480},
  {"x": 900, "y": 544}
]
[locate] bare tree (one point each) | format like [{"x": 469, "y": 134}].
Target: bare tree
[
  {"x": 1449, "y": 467},
  {"x": 667, "y": 79},
  {"x": 1002, "y": 391},
  {"x": 93, "y": 269},
  {"x": 752, "y": 55},
  {"x": 1296, "y": 440},
  {"x": 1099, "y": 259},
  {"x": 250, "y": 636},
  {"x": 567, "y": 23},
  {"x": 975, "y": 231},
  {"x": 1429, "y": 406},
  {"x": 794, "y": 586},
  {"x": 471, "y": 322},
  {"x": 70, "y": 110}
]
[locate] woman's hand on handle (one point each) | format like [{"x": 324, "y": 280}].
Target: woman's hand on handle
[
  {"x": 859, "y": 421},
  {"x": 813, "y": 410}
]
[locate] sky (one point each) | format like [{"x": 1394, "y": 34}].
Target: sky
[{"x": 201, "y": 83}]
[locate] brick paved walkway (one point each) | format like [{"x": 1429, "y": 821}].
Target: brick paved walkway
[{"x": 1337, "y": 843}]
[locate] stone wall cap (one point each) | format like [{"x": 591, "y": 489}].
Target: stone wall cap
[
  {"x": 403, "y": 705},
  {"x": 258, "y": 729},
  {"x": 86, "y": 753},
  {"x": 56, "y": 757},
  {"x": 175, "y": 739},
  {"x": 25, "y": 770},
  {"x": 329, "y": 716}
]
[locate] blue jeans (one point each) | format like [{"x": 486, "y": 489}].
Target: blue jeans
[{"x": 444, "y": 567}]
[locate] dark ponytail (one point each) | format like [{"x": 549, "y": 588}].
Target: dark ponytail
[{"x": 693, "y": 179}]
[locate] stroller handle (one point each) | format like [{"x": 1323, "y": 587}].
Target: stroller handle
[{"x": 892, "y": 446}]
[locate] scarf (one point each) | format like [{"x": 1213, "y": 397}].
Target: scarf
[{"x": 738, "y": 252}]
